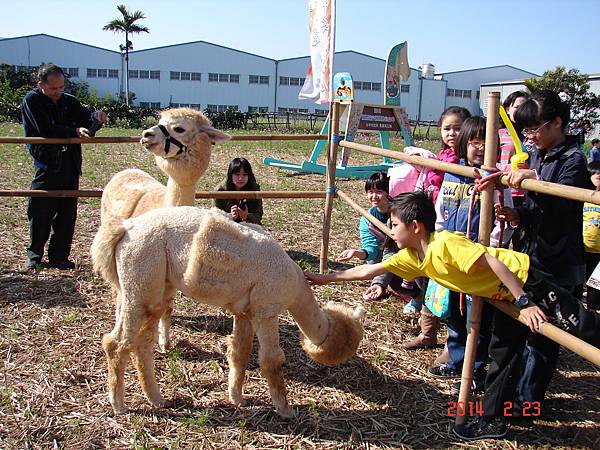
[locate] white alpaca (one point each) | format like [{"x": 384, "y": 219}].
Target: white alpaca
[
  {"x": 215, "y": 261},
  {"x": 181, "y": 144}
]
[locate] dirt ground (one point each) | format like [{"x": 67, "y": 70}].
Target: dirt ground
[{"x": 53, "y": 370}]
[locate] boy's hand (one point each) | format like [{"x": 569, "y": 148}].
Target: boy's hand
[
  {"x": 348, "y": 254},
  {"x": 316, "y": 279},
  {"x": 534, "y": 317},
  {"x": 373, "y": 292}
]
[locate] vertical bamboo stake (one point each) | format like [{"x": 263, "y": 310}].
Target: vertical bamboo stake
[
  {"x": 485, "y": 225},
  {"x": 332, "y": 150}
]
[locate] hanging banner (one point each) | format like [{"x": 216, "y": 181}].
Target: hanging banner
[
  {"x": 321, "y": 24},
  {"x": 396, "y": 70}
]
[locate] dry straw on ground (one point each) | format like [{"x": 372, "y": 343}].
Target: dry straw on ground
[{"x": 53, "y": 374}]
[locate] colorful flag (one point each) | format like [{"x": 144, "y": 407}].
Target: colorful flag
[{"x": 321, "y": 25}]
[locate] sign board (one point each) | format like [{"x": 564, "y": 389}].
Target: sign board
[{"x": 343, "y": 87}]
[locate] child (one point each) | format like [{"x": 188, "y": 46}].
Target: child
[
  {"x": 240, "y": 178},
  {"x": 453, "y": 211},
  {"x": 591, "y": 237},
  {"x": 497, "y": 273},
  {"x": 507, "y": 147},
  {"x": 371, "y": 238},
  {"x": 450, "y": 123}
]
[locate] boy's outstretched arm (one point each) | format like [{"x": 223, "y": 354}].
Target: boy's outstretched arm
[
  {"x": 532, "y": 314},
  {"x": 362, "y": 272}
]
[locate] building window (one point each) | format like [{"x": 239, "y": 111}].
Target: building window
[
  {"x": 405, "y": 88},
  {"x": 113, "y": 73},
  {"x": 376, "y": 87},
  {"x": 467, "y": 93},
  {"x": 294, "y": 81},
  {"x": 213, "y": 77},
  {"x": 264, "y": 79},
  {"x": 155, "y": 105},
  {"x": 134, "y": 74},
  {"x": 174, "y": 75},
  {"x": 224, "y": 77},
  {"x": 186, "y": 76},
  {"x": 234, "y": 78},
  {"x": 284, "y": 81},
  {"x": 145, "y": 74},
  {"x": 155, "y": 75},
  {"x": 357, "y": 85},
  {"x": 450, "y": 92},
  {"x": 102, "y": 73},
  {"x": 92, "y": 73},
  {"x": 253, "y": 79},
  {"x": 252, "y": 109},
  {"x": 72, "y": 72},
  {"x": 477, "y": 95},
  {"x": 196, "y": 76}
]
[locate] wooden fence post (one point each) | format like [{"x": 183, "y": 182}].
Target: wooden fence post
[{"x": 330, "y": 181}]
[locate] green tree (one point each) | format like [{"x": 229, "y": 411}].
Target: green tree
[
  {"x": 126, "y": 25},
  {"x": 576, "y": 88}
]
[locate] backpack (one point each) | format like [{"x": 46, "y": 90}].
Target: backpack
[{"x": 406, "y": 177}]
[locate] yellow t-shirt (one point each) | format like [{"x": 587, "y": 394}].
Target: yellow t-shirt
[
  {"x": 591, "y": 227},
  {"x": 450, "y": 260}
]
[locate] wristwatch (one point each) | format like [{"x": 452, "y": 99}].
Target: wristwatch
[{"x": 522, "y": 301}]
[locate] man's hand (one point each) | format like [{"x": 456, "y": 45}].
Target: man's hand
[
  {"x": 83, "y": 132},
  {"x": 507, "y": 214},
  {"x": 534, "y": 317},
  {"x": 516, "y": 177},
  {"x": 100, "y": 116}
]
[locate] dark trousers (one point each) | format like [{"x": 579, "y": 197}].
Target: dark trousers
[
  {"x": 458, "y": 331},
  {"x": 52, "y": 218},
  {"x": 509, "y": 338}
]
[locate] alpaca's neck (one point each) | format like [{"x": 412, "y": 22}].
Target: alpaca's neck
[
  {"x": 179, "y": 195},
  {"x": 310, "y": 318}
]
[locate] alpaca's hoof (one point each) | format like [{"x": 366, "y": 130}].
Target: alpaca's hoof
[
  {"x": 164, "y": 345},
  {"x": 287, "y": 412},
  {"x": 237, "y": 400},
  {"x": 120, "y": 410},
  {"x": 159, "y": 402}
]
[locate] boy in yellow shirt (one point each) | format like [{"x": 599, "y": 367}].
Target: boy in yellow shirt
[
  {"x": 497, "y": 273},
  {"x": 591, "y": 237}
]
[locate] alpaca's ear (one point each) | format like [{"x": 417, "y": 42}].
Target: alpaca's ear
[{"x": 216, "y": 136}]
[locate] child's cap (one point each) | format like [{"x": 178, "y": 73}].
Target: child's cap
[
  {"x": 594, "y": 167},
  {"x": 595, "y": 141}
]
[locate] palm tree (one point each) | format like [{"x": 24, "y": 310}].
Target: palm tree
[{"x": 128, "y": 26}]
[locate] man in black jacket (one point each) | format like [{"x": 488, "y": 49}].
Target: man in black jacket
[{"x": 49, "y": 112}]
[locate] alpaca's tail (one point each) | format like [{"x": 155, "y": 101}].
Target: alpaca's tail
[
  {"x": 103, "y": 249},
  {"x": 330, "y": 335}
]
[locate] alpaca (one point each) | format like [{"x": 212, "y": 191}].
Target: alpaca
[
  {"x": 181, "y": 144},
  {"x": 212, "y": 259}
]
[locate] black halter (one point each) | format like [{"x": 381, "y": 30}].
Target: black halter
[{"x": 171, "y": 140}]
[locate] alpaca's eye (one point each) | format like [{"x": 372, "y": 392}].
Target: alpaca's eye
[{"x": 178, "y": 130}]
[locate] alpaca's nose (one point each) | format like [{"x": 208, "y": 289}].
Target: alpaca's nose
[{"x": 147, "y": 133}]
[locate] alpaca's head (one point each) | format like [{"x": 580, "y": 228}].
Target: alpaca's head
[{"x": 182, "y": 142}]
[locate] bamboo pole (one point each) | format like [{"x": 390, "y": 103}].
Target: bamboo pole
[
  {"x": 374, "y": 220},
  {"x": 576, "y": 345},
  {"x": 332, "y": 148},
  {"x": 200, "y": 194},
  {"x": 543, "y": 187},
  {"x": 136, "y": 139},
  {"x": 485, "y": 226}
]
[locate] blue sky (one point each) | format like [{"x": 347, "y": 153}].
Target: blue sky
[{"x": 534, "y": 35}]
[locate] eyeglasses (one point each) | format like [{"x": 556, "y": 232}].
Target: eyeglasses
[
  {"x": 476, "y": 145},
  {"x": 530, "y": 133}
]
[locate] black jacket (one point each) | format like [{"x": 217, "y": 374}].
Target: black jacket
[
  {"x": 255, "y": 206},
  {"x": 44, "y": 118},
  {"x": 553, "y": 225}
]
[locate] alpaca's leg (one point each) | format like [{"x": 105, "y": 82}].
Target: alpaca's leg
[
  {"x": 117, "y": 356},
  {"x": 271, "y": 358},
  {"x": 164, "y": 325},
  {"x": 143, "y": 360},
  {"x": 239, "y": 347}
]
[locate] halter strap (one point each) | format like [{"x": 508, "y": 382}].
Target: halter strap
[{"x": 171, "y": 140}]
